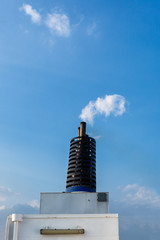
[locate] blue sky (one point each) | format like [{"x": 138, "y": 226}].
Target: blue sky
[{"x": 56, "y": 57}]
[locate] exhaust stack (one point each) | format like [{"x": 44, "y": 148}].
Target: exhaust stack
[{"x": 81, "y": 175}]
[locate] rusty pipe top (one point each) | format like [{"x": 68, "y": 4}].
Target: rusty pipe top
[
  {"x": 78, "y": 131},
  {"x": 82, "y": 129}
]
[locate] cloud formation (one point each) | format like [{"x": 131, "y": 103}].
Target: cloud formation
[
  {"x": 5, "y": 193},
  {"x": 110, "y": 104},
  {"x": 34, "y": 204},
  {"x": 137, "y": 221},
  {"x": 58, "y": 23},
  {"x": 33, "y": 13},
  {"x": 141, "y": 195},
  {"x": 2, "y": 207},
  {"x": 138, "y": 208}
]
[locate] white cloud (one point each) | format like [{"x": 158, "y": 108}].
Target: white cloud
[
  {"x": 33, "y": 13},
  {"x": 8, "y": 197},
  {"x": 137, "y": 221},
  {"x": 5, "y": 193},
  {"x": 2, "y": 207},
  {"x": 34, "y": 204},
  {"x": 130, "y": 187},
  {"x": 110, "y": 104},
  {"x": 59, "y": 24},
  {"x": 141, "y": 195}
]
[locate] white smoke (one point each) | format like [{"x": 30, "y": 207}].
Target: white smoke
[{"x": 110, "y": 104}]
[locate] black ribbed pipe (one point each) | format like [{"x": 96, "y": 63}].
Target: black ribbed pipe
[{"x": 81, "y": 174}]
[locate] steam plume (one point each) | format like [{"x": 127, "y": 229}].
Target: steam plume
[{"x": 110, "y": 104}]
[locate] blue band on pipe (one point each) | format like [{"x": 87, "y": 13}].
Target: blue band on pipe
[{"x": 80, "y": 189}]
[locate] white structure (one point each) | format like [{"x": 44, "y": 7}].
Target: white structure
[
  {"x": 62, "y": 227},
  {"x": 74, "y": 203},
  {"x": 66, "y": 216}
]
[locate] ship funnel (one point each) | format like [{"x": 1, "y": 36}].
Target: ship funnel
[{"x": 81, "y": 175}]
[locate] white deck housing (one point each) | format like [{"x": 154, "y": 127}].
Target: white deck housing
[
  {"x": 66, "y": 216},
  {"x": 95, "y": 226}
]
